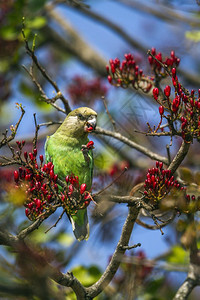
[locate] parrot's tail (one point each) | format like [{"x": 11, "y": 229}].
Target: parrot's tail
[{"x": 80, "y": 229}]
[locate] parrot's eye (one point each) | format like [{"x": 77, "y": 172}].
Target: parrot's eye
[{"x": 81, "y": 117}]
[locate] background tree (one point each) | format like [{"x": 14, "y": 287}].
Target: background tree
[{"x": 56, "y": 59}]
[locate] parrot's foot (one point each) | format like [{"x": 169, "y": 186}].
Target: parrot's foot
[{"x": 86, "y": 148}]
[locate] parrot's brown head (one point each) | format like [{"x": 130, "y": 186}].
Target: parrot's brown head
[{"x": 80, "y": 121}]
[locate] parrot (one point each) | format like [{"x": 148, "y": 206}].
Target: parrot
[{"x": 65, "y": 150}]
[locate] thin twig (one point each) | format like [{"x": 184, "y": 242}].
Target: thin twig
[
  {"x": 31, "y": 53},
  {"x": 108, "y": 113},
  {"x": 55, "y": 224},
  {"x": 37, "y": 127},
  {"x": 6, "y": 139},
  {"x": 110, "y": 184},
  {"x": 43, "y": 95},
  {"x": 131, "y": 247}
]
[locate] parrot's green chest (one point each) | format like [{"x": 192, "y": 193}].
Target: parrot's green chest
[{"x": 69, "y": 159}]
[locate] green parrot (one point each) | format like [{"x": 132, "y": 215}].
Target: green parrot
[{"x": 65, "y": 150}]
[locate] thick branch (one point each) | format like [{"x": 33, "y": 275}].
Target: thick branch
[
  {"x": 113, "y": 26},
  {"x": 7, "y": 239},
  {"x": 185, "y": 289},
  {"x": 132, "y": 144},
  {"x": 181, "y": 154},
  {"x": 113, "y": 266},
  {"x": 17, "y": 244},
  {"x": 29, "y": 229},
  {"x": 74, "y": 43}
]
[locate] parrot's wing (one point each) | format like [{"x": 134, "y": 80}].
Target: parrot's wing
[{"x": 80, "y": 225}]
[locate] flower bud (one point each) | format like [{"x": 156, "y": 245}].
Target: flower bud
[
  {"x": 167, "y": 91},
  {"x": 82, "y": 188},
  {"x": 16, "y": 176},
  {"x": 25, "y": 155},
  {"x": 161, "y": 110},
  {"x": 155, "y": 93}
]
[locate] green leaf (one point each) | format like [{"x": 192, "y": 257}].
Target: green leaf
[
  {"x": 186, "y": 175},
  {"x": 178, "y": 255},
  {"x": 65, "y": 239},
  {"x": 9, "y": 33},
  {"x": 36, "y": 23},
  {"x": 193, "y": 35},
  {"x": 87, "y": 275},
  {"x": 197, "y": 178}
]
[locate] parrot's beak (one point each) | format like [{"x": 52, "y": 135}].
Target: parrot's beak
[{"x": 91, "y": 124}]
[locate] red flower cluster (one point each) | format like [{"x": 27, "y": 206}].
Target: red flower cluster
[
  {"x": 190, "y": 117},
  {"x": 126, "y": 73},
  {"x": 86, "y": 91},
  {"x": 169, "y": 62},
  {"x": 184, "y": 107},
  {"x": 158, "y": 183},
  {"x": 42, "y": 188}
]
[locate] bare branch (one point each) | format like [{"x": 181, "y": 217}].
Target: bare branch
[
  {"x": 43, "y": 95},
  {"x": 74, "y": 43},
  {"x": 132, "y": 144},
  {"x": 108, "y": 113},
  {"x": 113, "y": 26},
  {"x": 6, "y": 139},
  {"x": 55, "y": 224},
  {"x": 131, "y": 247},
  {"x": 111, "y": 269},
  {"x": 29, "y": 229},
  {"x": 59, "y": 95},
  {"x": 185, "y": 289},
  {"x": 181, "y": 154}
]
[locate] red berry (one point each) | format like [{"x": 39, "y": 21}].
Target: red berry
[
  {"x": 90, "y": 145},
  {"x": 41, "y": 158},
  {"x": 172, "y": 54},
  {"x": 109, "y": 78},
  {"x": 55, "y": 178},
  {"x": 173, "y": 72},
  {"x": 107, "y": 68},
  {"x": 31, "y": 156},
  {"x": 16, "y": 176},
  {"x": 82, "y": 188},
  {"x": 155, "y": 93},
  {"x": 37, "y": 203},
  {"x": 167, "y": 91},
  {"x": 153, "y": 51},
  {"x": 25, "y": 155},
  {"x": 71, "y": 188},
  {"x": 161, "y": 110},
  {"x": 51, "y": 174},
  {"x": 35, "y": 152}
]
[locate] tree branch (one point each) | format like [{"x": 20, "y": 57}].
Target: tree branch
[
  {"x": 74, "y": 43},
  {"x": 132, "y": 144},
  {"x": 8, "y": 139},
  {"x": 113, "y": 266},
  {"x": 181, "y": 154},
  {"x": 185, "y": 289}
]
